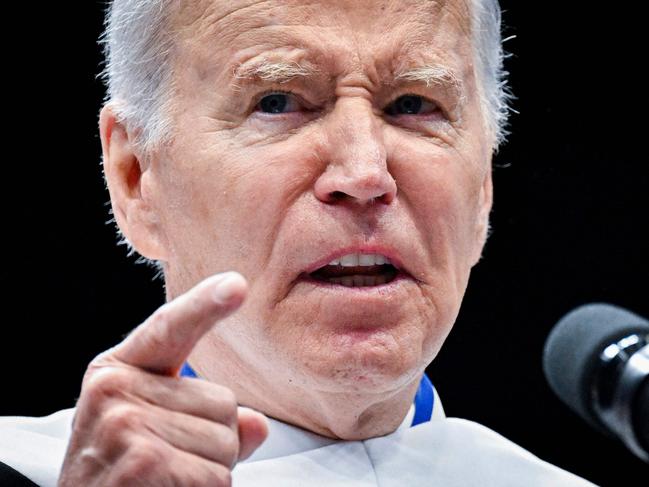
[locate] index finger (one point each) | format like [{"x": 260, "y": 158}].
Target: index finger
[{"x": 164, "y": 341}]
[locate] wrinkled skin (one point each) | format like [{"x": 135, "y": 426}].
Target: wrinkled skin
[
  {"x": 269, "y": 194},
  {"x": 137, "y": 423}
]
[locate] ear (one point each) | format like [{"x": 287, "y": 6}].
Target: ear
[
  {"x": 130, "y": 184},
  {"x": 485, "y": 203}
]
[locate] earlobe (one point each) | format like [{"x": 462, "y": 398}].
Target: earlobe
[{"x": 128, "y": 178}]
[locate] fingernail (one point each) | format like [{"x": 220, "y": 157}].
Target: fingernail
[{"x": 225, "y": 286}]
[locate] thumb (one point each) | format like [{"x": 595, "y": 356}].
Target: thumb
[{"x": 253, "y": 431}]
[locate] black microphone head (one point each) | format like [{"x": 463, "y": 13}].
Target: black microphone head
[{"x": 572, "y": 350}]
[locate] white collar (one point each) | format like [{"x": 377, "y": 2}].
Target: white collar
[{"x": 286, "y": 439}]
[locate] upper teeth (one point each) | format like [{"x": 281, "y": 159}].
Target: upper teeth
[{"x": 353, "y": 260}]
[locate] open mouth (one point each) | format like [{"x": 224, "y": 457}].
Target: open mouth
[{"x": 357, "y": 270}]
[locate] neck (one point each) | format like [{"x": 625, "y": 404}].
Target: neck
[{"x": 345, "y": 415}]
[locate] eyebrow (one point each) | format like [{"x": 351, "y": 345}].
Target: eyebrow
[
  {"x": 280, "y": 72},
  {"x": 274, "y": 71},
  {"x": 431, "y": 75},
  {"x": 434, "y": 75}
]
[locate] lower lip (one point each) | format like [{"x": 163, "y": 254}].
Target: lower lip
[{"x": 355, "y": 315}]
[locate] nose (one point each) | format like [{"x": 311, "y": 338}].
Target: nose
[{"x": 355, "y": 154}]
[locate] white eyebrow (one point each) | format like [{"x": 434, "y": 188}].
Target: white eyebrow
[
  {"x": 273, "y": 71},
  {"x": 433, "y": 75},
  {"x": 286, "y": 71}
]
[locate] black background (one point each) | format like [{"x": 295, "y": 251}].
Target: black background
[{"x": 569, "y": 221}]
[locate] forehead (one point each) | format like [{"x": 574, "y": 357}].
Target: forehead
[{"x": 347, "y": 35}]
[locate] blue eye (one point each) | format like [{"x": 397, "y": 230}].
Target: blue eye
[
  {"x": 410, "y": 105},
  {"x": 277, "y": 103}
]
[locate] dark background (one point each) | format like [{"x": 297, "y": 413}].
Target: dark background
[{"x": 569, "y": 222}]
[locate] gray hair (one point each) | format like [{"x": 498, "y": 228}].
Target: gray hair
[
  {"x": 489, "y": 57},
  {"x": 138, "y": 48},
  {"x": 137, "y": 73}
]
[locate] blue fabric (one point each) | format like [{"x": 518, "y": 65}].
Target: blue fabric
[
  {"x": 187, "y": 371},
  {"x": 424, "y": 399},
  {"x": 424, "y": 402}
]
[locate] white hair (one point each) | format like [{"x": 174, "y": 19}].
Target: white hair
[
  {"x": 489, "y": 56},
  {"x": 137, "y": 73},
  {"x": 138, "y": 44}
]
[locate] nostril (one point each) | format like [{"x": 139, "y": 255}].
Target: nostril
[
  {"x": 387, "y": 197},
  {"x": 337, "y": 195}
]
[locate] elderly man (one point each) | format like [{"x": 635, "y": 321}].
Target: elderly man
[{"x": 313, "y": 180}]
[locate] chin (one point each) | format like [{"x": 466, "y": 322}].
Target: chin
[{"x": 363, "y": 360}]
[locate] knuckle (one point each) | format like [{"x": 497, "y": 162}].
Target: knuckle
[
  {"x": 163, "y": 315},
  {"x": 121, "y": 417},
  {"x": 100, "y": 360},
  {"x": 227, "y": 398},
  {"x": 158, "y": 323},
  {"x": 102, "y": 383},
  {"x": 229, "y": 445},
  {"x": 145, "y": 459},
  {"x": 229, "y": 416},
  {"x": 227, "y": 405}
]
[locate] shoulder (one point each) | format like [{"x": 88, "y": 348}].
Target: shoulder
[
  {"x": 453, "y": 450},
  {"x": 35, "y": 446}
]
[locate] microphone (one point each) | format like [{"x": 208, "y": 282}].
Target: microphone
[{"x": 596, "y": 359}]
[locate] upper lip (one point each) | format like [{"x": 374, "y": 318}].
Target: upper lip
[{"x": 386, "y": 250}]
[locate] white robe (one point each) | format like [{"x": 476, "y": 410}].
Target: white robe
[{"x": 444, "y": 452}]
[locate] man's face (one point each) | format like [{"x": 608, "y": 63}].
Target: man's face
[{"x": 307, "y": 130}]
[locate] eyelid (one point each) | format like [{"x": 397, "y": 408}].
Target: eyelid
[
  {"x": 439, "y": 107},
  {"x": 423, "y": 97},
  {"x": 274, "y": 91},
  {"x": 259, "y": 96}
]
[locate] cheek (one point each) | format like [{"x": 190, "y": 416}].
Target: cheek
[
  {"x": 224, "y": 211},
  {"x": 443, "y": 195},
  {"x": 441, "y": 189}
]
